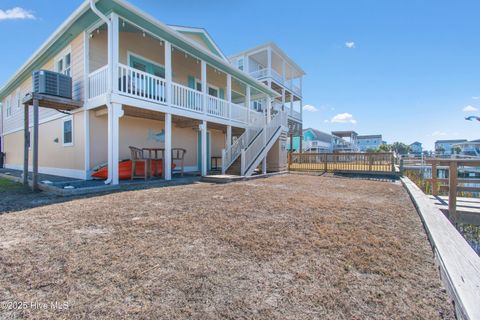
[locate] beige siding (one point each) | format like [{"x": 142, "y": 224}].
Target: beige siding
[
  {"x": 52, "y": 153},
  {"x": 15, "y": 122},
  {"x": 138, "y": 132}
]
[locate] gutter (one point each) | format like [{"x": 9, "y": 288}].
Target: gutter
[{"x": 110, "y": 70}]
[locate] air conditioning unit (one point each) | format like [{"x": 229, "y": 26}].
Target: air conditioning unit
[{"x": 52, "y": 83}]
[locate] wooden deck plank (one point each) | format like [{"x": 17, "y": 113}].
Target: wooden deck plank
[{"x": 458, "y": 262}]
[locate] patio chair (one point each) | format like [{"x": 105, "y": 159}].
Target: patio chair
[
  {"x": 179, "y": 155},
  {"x": 138, "y": 156}
]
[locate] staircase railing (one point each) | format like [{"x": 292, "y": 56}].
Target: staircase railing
[
  {"x": 257, "y": 146},
  {"x": 230, "y": 154}
]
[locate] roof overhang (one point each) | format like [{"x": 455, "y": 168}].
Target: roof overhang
[{"x": 83, "y": 17}]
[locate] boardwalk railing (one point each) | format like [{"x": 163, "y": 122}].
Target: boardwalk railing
[
  {"x": 342, "y": 162},
  {"x": 453, "y": 183}
]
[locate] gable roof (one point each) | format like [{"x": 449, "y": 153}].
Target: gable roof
[
  {"x": 83, "y": 17},
  {"x": 319, "y": 135},
  {"x": 204, "y": 36}
]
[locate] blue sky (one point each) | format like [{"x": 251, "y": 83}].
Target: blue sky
[{"x": 403, "y": 68}]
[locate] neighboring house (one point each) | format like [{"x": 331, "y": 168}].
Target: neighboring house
[
  {"x": 469, "y": 148},
  {"x": 317, "y": 141},
  {"x": 146, "y": 84},
  {"x": 273, "y": 67},
  {"x": 416, "y": 148},
  {"x": 347, "y": 141},
  {"x": 445, "y": 147},
  {"x": 369, "y": 142}
]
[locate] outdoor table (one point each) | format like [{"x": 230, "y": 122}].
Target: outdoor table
[{"x": 153, "y": 154}]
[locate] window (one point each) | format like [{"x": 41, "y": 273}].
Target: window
[
  {"x": 240, "y": 63},
  {"x": 67, "y": 131},
  {"x": 64, "y": 63},
  {"x": 8, "y": 107},
  {"x": 213, "y": 92}
]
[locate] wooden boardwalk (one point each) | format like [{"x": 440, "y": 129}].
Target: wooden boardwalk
[{"x": 468, "y": 209}]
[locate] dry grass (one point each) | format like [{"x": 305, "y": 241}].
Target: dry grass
[{"x": 287, "y": 247}]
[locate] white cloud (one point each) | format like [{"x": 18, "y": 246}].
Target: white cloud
[
  {"x": 439, "y": 134},
  {"x": 309, "y": 108},
  {"x": 326, "y": 121},
  {"x": 344, "y": 118},
  {"x": 470, "y": 108},
  {"x": 475, "y": 98},
  {"x": 15, "y": 13},
  {"x": 350, "y": 44}
]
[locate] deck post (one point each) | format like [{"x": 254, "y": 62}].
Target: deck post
[
  {"x": 168, "y": 72},
  {"x": 115, "y": 112},
  {"x": 229, "y": 95},
  {"x": 35, "y": 146},
  {"x": 26, "y": 144},
  {"x": 203, "y": 130},
  {"x": 247, "y": 103},
  {"x": 168, "y": 147},
  {"x": 452, "y": 191},
  {"x": 434, "y": 178},
  {"x": 204, "y": 85}
]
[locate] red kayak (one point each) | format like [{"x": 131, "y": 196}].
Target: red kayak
[{"x": 125, "y": 169}]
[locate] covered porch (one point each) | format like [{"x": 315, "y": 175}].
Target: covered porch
[{"x": 171, "y": 146}]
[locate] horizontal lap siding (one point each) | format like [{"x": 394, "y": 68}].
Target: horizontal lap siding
[{"x": 15, "y": 122}]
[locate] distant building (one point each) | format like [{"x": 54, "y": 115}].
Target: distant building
[
  {"x": 347, "y": 141},
  {"x": 369, "y": 142},
  {"x": 469, "y": 148},
  {"x": 416, "y": 148},
  {"x": 317, "y": 141},
  {"x": 445, "y": 147}
]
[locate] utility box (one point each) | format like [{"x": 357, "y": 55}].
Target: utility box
[
  {"x": 2, "y": 159},
  {"x": 52, "y": 83}
]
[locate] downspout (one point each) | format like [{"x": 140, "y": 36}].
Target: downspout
[{"x": 110, "y": 73}]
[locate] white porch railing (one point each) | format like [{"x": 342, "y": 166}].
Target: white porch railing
[
  {"x": 263, "y": 73},
  {"x": 139, "y": 84},
  {"x": 187, "y": 98},
  {"x": 217, "y": 107},
  {"x": 230, "y": 154},
  {"x": 98, "y": 82},
  {"x": 142, "y": 85}
]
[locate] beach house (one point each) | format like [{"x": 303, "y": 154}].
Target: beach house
[{"x": 139, "y": 84}]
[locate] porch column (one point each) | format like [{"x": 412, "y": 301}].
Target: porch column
[
  {"x": 86, "y": 125},
  {"x": 168, "y": 72},
  {"x": 35, "y": 146},
  {"x": 115, "y": 51},
  {"x": 291, "y": 104},
  {"x": 284, "y": 77},
  {"x": 264, "y": 165},
  {"x": 269, "y": 107},
  {"x": 115, "y": 112},
  {"x": 203, "y": 130},
  {"x": 86, "y": 65},
  {"x": 204, "y": 85},
  {"x": 168, "y": 147},
  {"x": 247, "y": 103},
  {"x": 26, "y": 144},
  {"x": 246, "y": 64},
  {"x": 283, "y": 99},
  {"x": 269, "y": 61},
  {"x": 229, "y": 136},
  {"x": 229, "y": 95}
]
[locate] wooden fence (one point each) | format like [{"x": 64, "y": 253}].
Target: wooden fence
[
  {"x": 342, "y": 162},
  {"x": 453, "y": 183}
]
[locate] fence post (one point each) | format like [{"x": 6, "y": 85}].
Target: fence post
[
  {"x": 289, "y": 160},
  {"x": 325, "y": 160},
  {"x": 452, "y": 191},
  {"x": 434, "y": 178}
]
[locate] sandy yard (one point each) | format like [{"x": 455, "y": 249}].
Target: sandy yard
[{"x": 286, "y": 247}]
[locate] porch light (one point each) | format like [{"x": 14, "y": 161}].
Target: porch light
[
  {"x": 98, "y": 31},
  {"x": 144, "y": 34},
  {"x": 123, "y": 23}
]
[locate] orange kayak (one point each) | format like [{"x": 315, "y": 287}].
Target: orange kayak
[{"x": 125, "y": 169}]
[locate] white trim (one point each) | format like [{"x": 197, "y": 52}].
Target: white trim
[
  {"x": 61, "y": 57},
  {"x": 61, "y": 172},
  {"x": 67, "y": 118}
]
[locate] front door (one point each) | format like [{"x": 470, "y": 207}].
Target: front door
[{"x": 199, "y": 151}]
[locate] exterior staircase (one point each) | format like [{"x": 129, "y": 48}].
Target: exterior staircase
[{"x": 249, "y": 150}]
